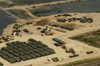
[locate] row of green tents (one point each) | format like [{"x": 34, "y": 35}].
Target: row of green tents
[
  {"x": 21, "y": 51},
  {"x": 63, "y": 27}
]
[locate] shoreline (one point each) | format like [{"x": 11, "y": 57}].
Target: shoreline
[
  {"x": 41, "y": 4},
  {"x": 38, "y": 37},
  {"x": 26, "y": 6},
  {"x": 6, "y": 19},
  {"x": 22, "y": 21},
  {"x": 81, "y": 48}
]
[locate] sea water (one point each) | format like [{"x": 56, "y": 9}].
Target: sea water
[
  {"x": 5, "y": 19},
  {"x": 90, "y": 6}
]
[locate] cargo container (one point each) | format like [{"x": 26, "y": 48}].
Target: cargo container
[
  {"x": 57, "y": 44},
  {"x": 75, "y": 55},
  {"x": 89, "y": 52},
  {"x": 59, "y": 41}
]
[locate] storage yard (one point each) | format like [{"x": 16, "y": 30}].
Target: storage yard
[
  {"x": 50, "y": 33},
  {"x": 48, "y": 40},
  {"x": 22, "y": 51}
]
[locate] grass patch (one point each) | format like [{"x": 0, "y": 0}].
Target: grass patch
[
  {"x": 92, "y": 39},
  {"x": 4, "y": 4},
  {"x": 78, "y": 63}
]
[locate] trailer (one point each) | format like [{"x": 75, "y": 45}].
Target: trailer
[
  {"x": 75, "y": 55},
  {"x": 89, "y": 52},
  {"x": 59, "y": 41},
  {"x": 57, "y": 44}
]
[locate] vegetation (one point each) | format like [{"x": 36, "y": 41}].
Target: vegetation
[
  {"x": 37, "y": 12},
  {"x": 22, "y": 51},
  {"x": 1, "y": 64},
  {"x": 92, "y": 39},
  {"x": 4, "y": 4},
  {"x": 20, "y": 13},
  {"x": 79, "y": 63}
]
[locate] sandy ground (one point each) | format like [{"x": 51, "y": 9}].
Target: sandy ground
[
  {"x": 53, "y": 20},
  {"x": 60, "y": 53},
  {"x": 40, "y": 4}
]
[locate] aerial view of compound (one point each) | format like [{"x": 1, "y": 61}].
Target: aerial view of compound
[{"x": 49, "y": 32}]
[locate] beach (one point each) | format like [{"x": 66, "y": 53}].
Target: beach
[{"x": 77, "y": 23}]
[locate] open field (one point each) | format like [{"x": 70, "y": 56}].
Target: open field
[
  {"x": 86, "y": 62},
  {"x": 31, "y": 1},
  {"x": 50, "y": 43},
  {"x": 92, "y": 39},
  {"x": 34, "y": 29},
  {"x": 17, "y": 3}
]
